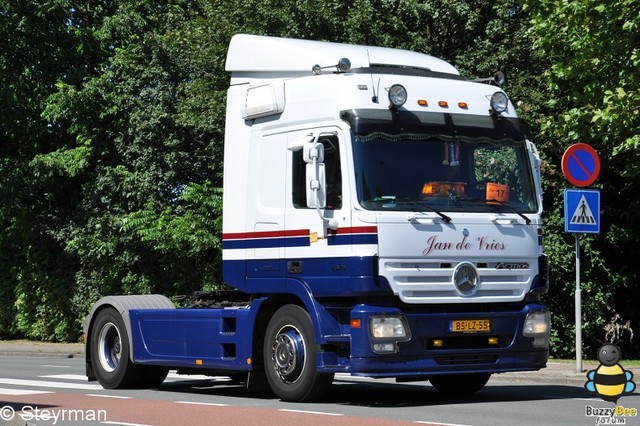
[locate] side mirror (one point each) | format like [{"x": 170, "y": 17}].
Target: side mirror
[
  {"x": 313, "y": 155},
  {"x": 316, "y": 186},
  {"x": 313, "y": 152}
]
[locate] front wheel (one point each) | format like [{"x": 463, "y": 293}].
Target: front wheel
[
  {"x": 463, "y": 384},
  {"x": 290, "y": 356}
]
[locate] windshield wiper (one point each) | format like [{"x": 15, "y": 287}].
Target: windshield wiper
[
  {"x": 444, "y": 217},
  {"x": 511, "y": 209}
]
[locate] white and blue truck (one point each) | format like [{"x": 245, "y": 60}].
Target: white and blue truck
[{"x": 381, "y": 218}]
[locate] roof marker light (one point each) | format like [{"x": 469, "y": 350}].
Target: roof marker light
[
  {"x": 423, "y": 102},
  {"x": 443, "y": 104},
  {"x": 463, "y": 105}
]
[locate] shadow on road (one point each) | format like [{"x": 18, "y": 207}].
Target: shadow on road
[{"x": 386, "y": 394}]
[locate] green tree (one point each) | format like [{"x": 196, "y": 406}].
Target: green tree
[
  {"x": 112, "y": 123},
  {"x": 594, "y": 97},
  {"x": 37, "y": 49},
  {"x": 145, "y": 161}
]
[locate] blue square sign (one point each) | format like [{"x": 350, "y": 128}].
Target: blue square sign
[{"x": 582, "y": 211}]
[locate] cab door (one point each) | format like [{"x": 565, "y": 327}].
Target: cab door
[{"x": 318, "y": 244}]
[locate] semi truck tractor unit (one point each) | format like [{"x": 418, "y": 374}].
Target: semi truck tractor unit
[{"x": 381, "y": 218}]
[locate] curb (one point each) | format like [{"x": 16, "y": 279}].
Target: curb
[
  {"x": 554, "y": 374},
  {"x": 40, "y": 349}
]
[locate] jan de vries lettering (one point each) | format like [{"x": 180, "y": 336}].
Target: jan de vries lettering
[{"x": 483, "y": 243}]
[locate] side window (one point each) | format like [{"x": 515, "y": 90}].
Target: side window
[{"x": 333, "y": 172}]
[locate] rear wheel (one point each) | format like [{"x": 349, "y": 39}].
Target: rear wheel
[
  {"x": 290, "y": 356},
  {"x": 463, "y": 384},
  {"x": 110, "y": 352}
]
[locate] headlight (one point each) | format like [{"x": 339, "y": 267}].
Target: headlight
[
  {"x": 386, "y": 332},
  {"x": 537, "y": 324},
  {"x": 387, "y": 328},
  {"x": 499, "y": 103},
  {"x": 397, "y": 95}
]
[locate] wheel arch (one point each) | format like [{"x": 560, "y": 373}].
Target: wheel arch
[
  {"x": 298, "y": 294},
  {"x": 122, "y": 304}
]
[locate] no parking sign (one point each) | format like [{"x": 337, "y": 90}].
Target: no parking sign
[{"x": 581, "y": 164}]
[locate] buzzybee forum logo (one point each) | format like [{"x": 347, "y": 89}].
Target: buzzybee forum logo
[{"x": 610, "y": 381}]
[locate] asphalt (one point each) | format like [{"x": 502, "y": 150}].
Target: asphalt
[{"x": 556, "y": 372}]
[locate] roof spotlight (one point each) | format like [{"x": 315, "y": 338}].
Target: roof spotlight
[
  {"x": 499, "y": 103},
  {"x": 397, "y": 95}
]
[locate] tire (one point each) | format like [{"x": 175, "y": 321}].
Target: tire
[
  {"x": 153, "y": 376},
  {"x": 463, "y": 384},
  {"x": 110, "y": 352},
  {"x": 290, "y": 356}
]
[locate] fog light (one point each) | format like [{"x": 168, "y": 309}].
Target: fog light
[
  {"x": 437, "y": 343},
  {"x": 384, "y": 348},
  {"x": 492, "y": 341}
]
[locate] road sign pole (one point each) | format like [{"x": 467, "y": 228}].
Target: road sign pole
[
  {"x": 578, "y": 309},
  {"x": 581, "y": 166}
]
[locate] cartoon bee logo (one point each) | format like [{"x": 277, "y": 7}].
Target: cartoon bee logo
[{"x": 610, "y": 381}]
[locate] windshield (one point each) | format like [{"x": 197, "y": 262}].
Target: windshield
[{"x": 440, "y": 162}]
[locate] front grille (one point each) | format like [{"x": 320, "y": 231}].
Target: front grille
[{"x": 430, "y": 282}]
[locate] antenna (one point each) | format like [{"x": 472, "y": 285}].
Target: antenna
[{"x": 374, "y": 98}]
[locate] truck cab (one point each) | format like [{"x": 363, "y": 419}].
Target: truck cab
[{"x": 383, "y": 217}]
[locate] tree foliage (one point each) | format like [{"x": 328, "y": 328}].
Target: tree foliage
[
  {"x": 593, "y": 95},
  {"x": 111, "y": 132}
]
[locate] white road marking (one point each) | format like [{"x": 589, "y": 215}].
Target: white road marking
[
  {"x": 202, "y": 403},
  {"x": 439, "y": 424},
  {"x": 80, "y": 377},
  {"x": 174, "y": 375},
  {"x": 20, "y": 392},
  {"x": 109, "y": 396},
  {"x": 48, "y": 384},
  {"x": 311, "y": 412}
]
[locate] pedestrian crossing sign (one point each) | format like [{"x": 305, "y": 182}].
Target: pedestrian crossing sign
[{"x": 582, "y": 211}]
